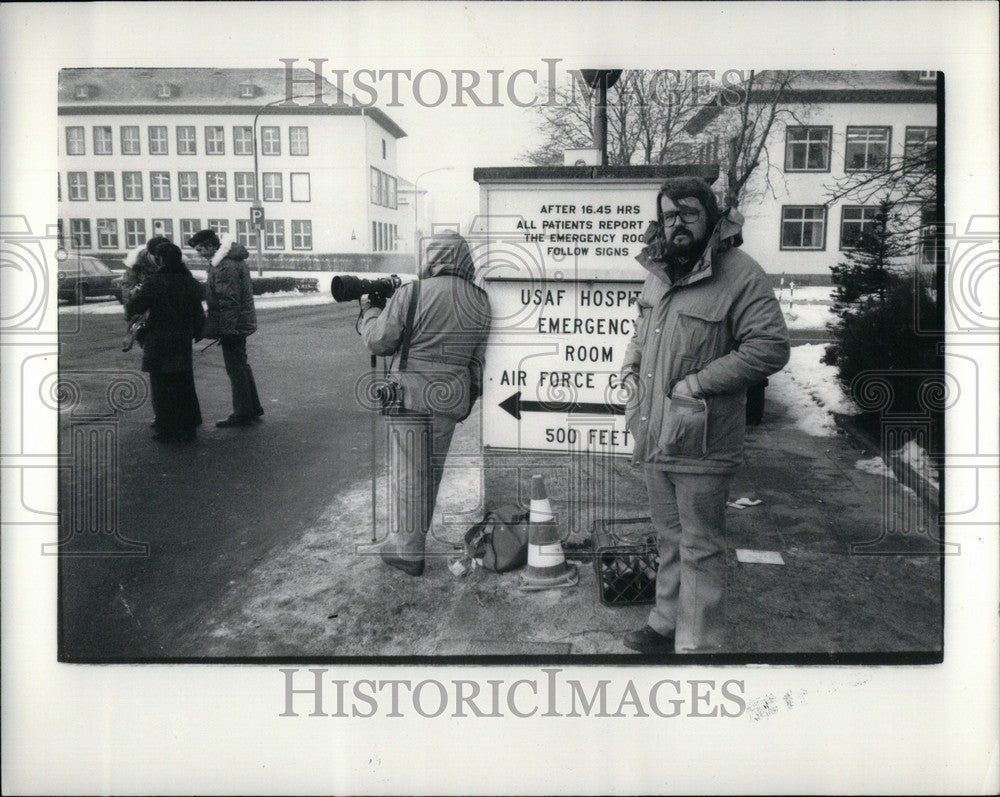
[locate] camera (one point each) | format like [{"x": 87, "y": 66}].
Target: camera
[
  {"x": 390, "y": 396},
  {"x": 346, "y": 288}
]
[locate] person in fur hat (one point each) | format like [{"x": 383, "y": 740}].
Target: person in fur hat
[
  {"x": 139, "y": 264},
  {"x": 231, "y": 319}
]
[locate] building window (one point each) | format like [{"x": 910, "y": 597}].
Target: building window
[
  {"x": 77, "y": 186},
  {"x": 855, "y": 221},
  {"x": 274, "y": 234},
  {"x": 383, "y": 188},
  {"x": 80, "y": 231},
  {"x": 301, "y": 191},
  {"x": 302, "y": 234},
  {"x": 930, "y": 240},
  {"x": 132, "y": 186},
  {"x": 243, "y": 140},
  {"x": 928, "y": 74},
  {"x": 244, "y": 186},
  {"x": 391, "y": 199},
  {"x": 270, "y": 140},
  {"x": 376, "y": 186},
  {"x": 164, "y": 227},
  {"x": 272, "y": 186},
  {"x": 158, "y": 140},
  {"x": 104, "y": 186},
  {"x": 807, "y": 149},
  {"x": 159, "y": 186},
  {"x": 298, "y": 140},
  {"x": 803, "y": 227},
  {"x": 383, "y": 149},
  {"x": 186, "y": 144},
  {"x": 221, "y": 226},
  {"x": 187, "y": 186},
  {"x": 102, "y": 141},
  {"x": 75, "y": 142},
  {"x": 215, "y": 140},
  {"x": 188, "y": 228},
  {"x": 216, "y": 182},
  {"x": 246, "y": 234},
  {"x": 130, "y": 140},
  {"x": 867, "y": 149},
  {"x": 135, "y": 233},
  {"x": 107, "y": 234},
  {"x": 920, "y": 148},
  {"x": 58, "y": 191}
]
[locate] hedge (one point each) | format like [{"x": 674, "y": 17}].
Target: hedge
[{"x": 284, "y": 284}]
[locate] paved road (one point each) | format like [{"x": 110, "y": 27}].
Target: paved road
[{"x": 257, "y": 487}]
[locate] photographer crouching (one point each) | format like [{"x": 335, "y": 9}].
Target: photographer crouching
[{"x": 435, "y": 330}]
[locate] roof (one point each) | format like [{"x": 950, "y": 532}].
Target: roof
[
  {"x": 205, "y": 90},
  {"x": 822, "y": 87}
]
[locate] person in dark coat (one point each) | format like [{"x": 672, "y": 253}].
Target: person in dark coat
[
  {"x": 231, "y": 318},
  {"x": 173, "y": 298}
]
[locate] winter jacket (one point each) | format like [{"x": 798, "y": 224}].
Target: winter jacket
[
  {"x": 173, "y": 298},
  {"x": 230, "y": 292},
  {"x": 720, "y": 323},
  {"x": 444, "y": 374}
]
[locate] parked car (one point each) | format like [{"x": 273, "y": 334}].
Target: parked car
[{"x": 81, "y": 276}]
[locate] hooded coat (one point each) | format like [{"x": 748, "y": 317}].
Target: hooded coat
[
  {"x": 230, "y": 291},
  {"x": 173, "y": 298},
  {"x": 721, "y": 327},
  {"x": 444, "y": 374}
]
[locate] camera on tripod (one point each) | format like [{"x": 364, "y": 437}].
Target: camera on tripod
[{"x": 346, "y": 288}]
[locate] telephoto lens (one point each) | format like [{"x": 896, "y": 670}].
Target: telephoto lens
[{"x": 347, "y": 288}]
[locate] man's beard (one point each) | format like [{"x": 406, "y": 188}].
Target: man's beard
[{"x": 682, "y": 244}]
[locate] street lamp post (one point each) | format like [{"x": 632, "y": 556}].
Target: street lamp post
[
  {"x": 416, "y": 217},
  {"x": 256, "y": 175}
]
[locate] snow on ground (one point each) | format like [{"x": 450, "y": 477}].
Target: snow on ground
[
  {"x": 806, "y": 308},
  {"x": 810, "y": 391},
  {"x": 109, "y": 306},
  {"x": 917, "y": 459},
  {"x": 877, "y": 467}
]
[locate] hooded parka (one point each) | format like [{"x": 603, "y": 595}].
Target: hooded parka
[{"x": 720, "y": 326}]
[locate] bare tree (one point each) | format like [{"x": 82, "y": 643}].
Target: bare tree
[
  {"x": 647, "y": 111},
  {"x": 744, "y": 129}
]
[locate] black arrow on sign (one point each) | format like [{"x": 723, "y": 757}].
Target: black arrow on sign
[{"x": 515, "y": 407}]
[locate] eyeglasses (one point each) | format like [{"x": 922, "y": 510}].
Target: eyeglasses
[{"x": 687, "y": 215}]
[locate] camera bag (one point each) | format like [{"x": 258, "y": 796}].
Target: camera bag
[{"x": 500, "y": 539}]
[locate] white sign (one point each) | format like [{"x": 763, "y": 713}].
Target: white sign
[{"x": 552, "y": 363}]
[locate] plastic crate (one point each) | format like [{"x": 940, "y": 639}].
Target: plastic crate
[{"x": 625, "y": 560}]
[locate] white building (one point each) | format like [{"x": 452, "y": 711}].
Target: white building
[
  {"x": 171, "y": 151},
  {"x": 418, "y": 210},
  {"x": 834, "y": 125}
]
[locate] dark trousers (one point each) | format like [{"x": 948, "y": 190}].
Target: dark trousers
[
  {"x": 246, "y": 404},
  {"x": 175, "y": 403}
]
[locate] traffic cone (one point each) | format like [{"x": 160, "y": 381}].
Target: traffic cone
[{"x": 547, "y": 567}]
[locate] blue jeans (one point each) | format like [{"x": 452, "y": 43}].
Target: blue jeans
[{"x": 688, "y": 511}]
